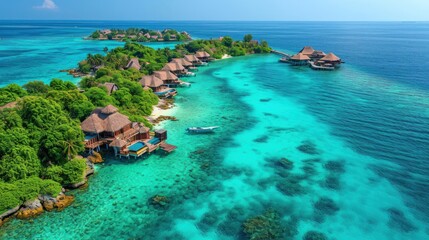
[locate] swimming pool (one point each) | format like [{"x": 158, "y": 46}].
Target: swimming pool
[{"x": 136, "y": 146}]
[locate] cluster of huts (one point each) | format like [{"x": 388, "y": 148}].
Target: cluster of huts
[
  {"x": 163, "y": 82},
  {"x": 154, "y": 36},
  {"x": 317, "y": 60},
  {"x": 108, "y": 128}
]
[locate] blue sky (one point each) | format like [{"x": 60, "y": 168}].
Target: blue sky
[{"x": 291, "y": 10}]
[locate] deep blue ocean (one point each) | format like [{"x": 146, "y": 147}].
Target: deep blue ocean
[{"x": 369, "y": 121}]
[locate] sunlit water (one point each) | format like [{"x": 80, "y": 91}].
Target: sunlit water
[{"x": 355, "y": 136}]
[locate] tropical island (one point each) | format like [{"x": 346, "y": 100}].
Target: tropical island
[
  {"x": 46, "y": 142},
  {"x": 140, "y": 35}
]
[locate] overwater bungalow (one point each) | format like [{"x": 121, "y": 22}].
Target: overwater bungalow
[
  {"x": 203, "y": 56},
  {"x": 133, "y": 63},
  {"x": 331, "y": 59},
  {"x": 104, "y": 125},
  {"x": 299, "y": 60},
  {"x": 175, "y": 68},
  {"x": 157, "y": 86},
  {"x": 169, "y": 79},
  {"x": 193, "y": 59},
  {"x": 317, "y": 55},
  {"x": 183, "y": 62},
  {"x": 111, "y": 87},
  {"x": 307, "y": 50}
]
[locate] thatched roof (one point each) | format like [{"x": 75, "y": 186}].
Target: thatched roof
[
  {"x": 134, "y": 63},
  {"x": 165, "y": 75},
  {"x": 307, "y": 50},
  {"x": 110, "y": 109},
  {"x": 330, "y": 58},
  {"x": 173, "y": 67},
  {"x": 300, "y": 57},
  {"x": 191, "y": 58},
  {"x": 105, "y": 120},
  {"x": 317, "y": 53},
  {"x": 118, "y": 143},
  {"x": 151, "y": 81},
  {"x": 182, "y": 62},
  {"x": 202, "y": 54},
  {"x": 111, "y": 87}
]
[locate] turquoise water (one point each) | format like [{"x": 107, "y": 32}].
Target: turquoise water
[{"x": 358, "y": 139}]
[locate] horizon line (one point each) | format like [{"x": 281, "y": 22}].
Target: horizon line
[{"x": 211, "y": 20}]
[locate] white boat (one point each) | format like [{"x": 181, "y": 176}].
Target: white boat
[{"x": 201, "y": 129}]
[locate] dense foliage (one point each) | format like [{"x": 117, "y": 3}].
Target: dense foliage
[
  {"x": 41, "y": 132},
  {"x": 141, "y": 35}
]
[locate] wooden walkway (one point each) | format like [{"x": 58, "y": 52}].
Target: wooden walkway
[{"x": 287, "y": 56}]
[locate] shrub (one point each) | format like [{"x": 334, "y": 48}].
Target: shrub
[
  {"x": 73, "y": 171},
  {"x": 54, "y": 173},
  {"x": 29, "y": 188},
  {"x": 8, "y": 201},
  {"x": 50, "y": 187}
]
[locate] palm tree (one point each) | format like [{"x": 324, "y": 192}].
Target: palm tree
[{"x": 70, "y": 149}]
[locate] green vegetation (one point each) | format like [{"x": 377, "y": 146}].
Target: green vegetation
[
  {"x": 15, "y": 193},
  {"x": 140, "y": 35},
  {"x": 42, "y": 132},
  {"x": 40, "y": 136}
]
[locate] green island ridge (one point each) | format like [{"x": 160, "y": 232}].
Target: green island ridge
[
  {"x": 42, "y": 140},
  {"x": 140, "y": 35}
]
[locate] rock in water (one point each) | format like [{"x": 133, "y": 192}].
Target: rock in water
[{"x": 31, "y": 209}]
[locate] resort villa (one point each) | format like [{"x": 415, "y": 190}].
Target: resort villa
[
  {"x": 317, "y": 60},
  {"x": 203, "y": 56},
  {"x": 193, "y": 59},
  {"x": 111, "y": 87},
  {"x": 133, "y": 63},
  {"x": 106, "y": 126},
  {"x": 157, "y": 86},
  {"x": 175, "y": 68},
  {"x": 183, "y": 62},
  {"x": 168, "y": 78}
]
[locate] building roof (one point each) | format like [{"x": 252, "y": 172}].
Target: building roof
[
  {"x": 300, "y": 57},
  {"x": 165, "y": 75},
  {"x": 307, "y": 50},
  {"x": 173, "y": 66},
  {"x": 118, "y": 143},
  {"x": 182, "y": 61},
  {"x": 151, "y": 81},
  {"x": 110, "y": 109},
  {"x": 111, "y": 87},
  {"x": 134, "y": 63},
  {"x": 330, "y": 58},
  {"x": 105, "y": 120},
  {"x": 191, "y": 58},
  {"x": 318, "y": 53},
  {"x": 202, "y": 54}
]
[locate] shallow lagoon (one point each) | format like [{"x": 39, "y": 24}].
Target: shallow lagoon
[{"x": 214, "y": 182}]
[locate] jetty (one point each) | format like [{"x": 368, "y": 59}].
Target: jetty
[{"x": 315, "y": 59}]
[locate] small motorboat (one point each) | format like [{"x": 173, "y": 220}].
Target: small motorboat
[{"x": 201, "y": 129}]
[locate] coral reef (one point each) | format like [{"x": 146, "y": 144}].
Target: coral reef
[
  {"x": 265, "y": 226},
  {"x": 314, "y": 235}
]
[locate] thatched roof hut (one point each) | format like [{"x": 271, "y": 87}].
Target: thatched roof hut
[
  {"x": 119, "y": 143},
  {"x": 133, "y": 63},
  {"x": 182, "y": 62},
  {"x": 300, "y": 57},
  {"x": 202, "y": 54},
  {"x": 330, "y": 57},
  {"x": 307, "y": 50},
  {"x": 111, "y": 87},
  {"x": 173, "y": 67},
  {"x": 151, "y": 81},
  {"x": 192, "y": 58},
  {"x": 106, "y": 119},
  {"x": 165, "y": 75}
]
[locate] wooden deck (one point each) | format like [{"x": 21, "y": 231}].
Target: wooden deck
[
  {"x": 167, "y": 147},
  {"x": 321, "y": 68}
]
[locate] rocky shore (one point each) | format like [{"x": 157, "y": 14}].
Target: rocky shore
[{"x": 42, "y": 203}]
